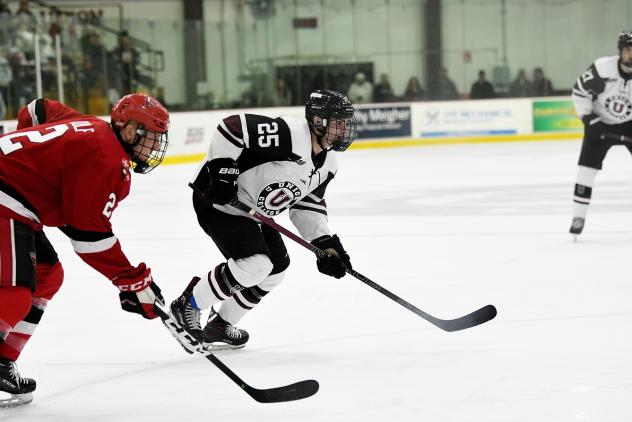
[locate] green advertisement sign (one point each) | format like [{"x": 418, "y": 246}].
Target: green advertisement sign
[{"x": 555, "y": 116}]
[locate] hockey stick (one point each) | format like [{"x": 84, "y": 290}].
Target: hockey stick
[
  {"x": 480, "y": 316},
  {"x": 296, "y": 391},
  {"x": 615, "y": 137}
]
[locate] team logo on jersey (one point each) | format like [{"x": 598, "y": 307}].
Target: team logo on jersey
[
  {"x": 619, "y": 107},
  {"x": 276, "y": 197},
  {"x": 125, "y": 175}
]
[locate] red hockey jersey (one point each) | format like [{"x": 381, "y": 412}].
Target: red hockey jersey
[{"x": 67, "y": 170}]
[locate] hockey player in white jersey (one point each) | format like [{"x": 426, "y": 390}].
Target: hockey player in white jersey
[
  {"x": 270, "y": 165},
  {"x": 603, "y": 100}
]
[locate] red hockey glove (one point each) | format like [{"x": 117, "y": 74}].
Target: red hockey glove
[
  {"x": 337, "y": 260},
  {"x": 138, "y": 291}
]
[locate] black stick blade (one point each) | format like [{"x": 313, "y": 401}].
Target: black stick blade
[
  {"x": 480, "y": 316},
  {"x": 296, "y": 391}
]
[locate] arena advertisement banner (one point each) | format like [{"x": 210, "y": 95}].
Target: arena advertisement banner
[
  {"x": 384, "y": 122},
  {"x": 472, "y": 118},
  {"x": 555, "y": 116}
]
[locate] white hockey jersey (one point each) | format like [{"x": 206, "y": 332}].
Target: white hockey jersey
[
  {"x": 277, "y": 169},
  {"x": 604, "y": 90}
]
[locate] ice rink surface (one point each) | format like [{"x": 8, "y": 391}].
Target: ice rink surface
[{"x": 449, "y": 228}]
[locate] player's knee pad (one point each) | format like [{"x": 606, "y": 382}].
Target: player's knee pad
[
  {"x": 272, "y": 281},
  {"x": 49, "y": 280},
  {"x": 250, "y": 271}
]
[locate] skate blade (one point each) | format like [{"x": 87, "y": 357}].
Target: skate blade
[
  {"x": 16, "y": 400},
  {"x": 218, "y": 347},
  {"x": 186, "y": 340}
]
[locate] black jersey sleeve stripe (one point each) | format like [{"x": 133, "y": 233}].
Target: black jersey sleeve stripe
[
  {"x": 319, "y": 192},
  {"x": 233, "y": 125},
  {"x": 578, "y": 86},
  {"x": 300, "y": 206},
  {"x": 229, "y": 138},
  {"x": 40, "y": 111},
  {"x": 581, "y": 94},
  {"x": 37, "y": 111},
  {"x": 312, "y": 199}
]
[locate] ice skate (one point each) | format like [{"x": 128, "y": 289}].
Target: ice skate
[
  {"x": 19, "y": 389},
  {"x": 185, "y": 313},
  {"x": 221, "y": 335},
  {"x": 576, "y": 227}
]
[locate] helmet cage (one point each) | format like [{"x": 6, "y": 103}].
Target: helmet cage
[{"x": 148, "y": 149}]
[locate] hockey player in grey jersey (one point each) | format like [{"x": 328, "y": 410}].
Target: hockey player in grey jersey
[
  {"x": 603, "y": 100},
  {"x": 270, "y": 165}
]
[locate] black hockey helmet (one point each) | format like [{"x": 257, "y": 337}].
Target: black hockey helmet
[
  {"x": 624, "y": 40},
  {"x": 321, "y": 107}
]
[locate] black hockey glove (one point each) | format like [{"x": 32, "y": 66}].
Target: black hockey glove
[
  {"x": 336, "y": 261},
  {"x": 223, "y": 173},
  {"x": 593, "y": 126}
]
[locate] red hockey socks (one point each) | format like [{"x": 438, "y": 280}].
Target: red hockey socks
[{"x": 15, "y": 303}]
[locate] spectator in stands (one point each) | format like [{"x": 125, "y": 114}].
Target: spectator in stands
[
  {"x": 541, "y": 86},
  {"x": 383, "y": 92},
  {"x": 23, "y": 76},
  {"x": 95, "y": 59},
  {"x": 282, "y": 94},
  {"x": 446, "y": 89},
  {"x": 521, "y": 86},
  {"x": 5, "y": 24},
  {"x": 360, "y": 90},
  {"x": 95, "y": 65},
  {"x": 125, "y": 59},
  {"x": 482, "y": 88},
  {"x": 24, "y": 18},
  {"x": 414, "y": 91}
]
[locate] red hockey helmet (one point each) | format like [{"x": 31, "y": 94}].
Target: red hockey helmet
[
  {"x": 143, "y": 109},
  {"x": 153, "y": 125}
]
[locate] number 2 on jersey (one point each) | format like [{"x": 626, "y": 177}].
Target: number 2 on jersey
[
  {"x": 39, "y": 136},
  {"x": 109, "y": 206}
]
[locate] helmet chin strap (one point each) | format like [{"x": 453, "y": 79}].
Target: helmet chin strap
[
  {"x": 320, "y": 137},
  {"x": 139, "y": 166}
]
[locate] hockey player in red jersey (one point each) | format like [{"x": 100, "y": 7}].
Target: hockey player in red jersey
[
  {"x": 271, "y": 165},
  {"x": 68, "y": 170}
]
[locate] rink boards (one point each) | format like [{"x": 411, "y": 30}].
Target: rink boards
[{"x": 402, "y": 124}]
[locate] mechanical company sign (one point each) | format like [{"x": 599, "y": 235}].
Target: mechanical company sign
[
  {"x": 472, "y": 118},
  {"x": 383, "y": 122}
]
